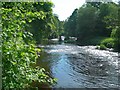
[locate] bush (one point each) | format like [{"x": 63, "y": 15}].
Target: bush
[
  {"x": 103, "y": 47},
  {"x": 108, "y": 42},
  {"x": 117, "y": 45}
]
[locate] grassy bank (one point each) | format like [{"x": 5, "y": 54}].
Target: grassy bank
[{"x": 103, "y": 43}]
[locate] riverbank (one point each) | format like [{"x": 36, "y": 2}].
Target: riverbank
[{"x": 102, "y": 43}]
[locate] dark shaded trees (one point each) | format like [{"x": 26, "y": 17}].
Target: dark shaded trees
[
  {"x": 58, "y": 30},
  {"x": 86, "y": 22},
  {"x": 113, "y": 21},
  {"x": 94, "y": 22},
  {"x": 41, "y": 28},
  {"x": 70, "y": 24}
]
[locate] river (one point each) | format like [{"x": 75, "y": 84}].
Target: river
[{"x": 80, "y": 66}]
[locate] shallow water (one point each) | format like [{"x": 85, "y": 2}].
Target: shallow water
[{"x": 81, "y": 66}]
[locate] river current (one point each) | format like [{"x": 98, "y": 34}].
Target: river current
[{"x": 81, "y": 66}]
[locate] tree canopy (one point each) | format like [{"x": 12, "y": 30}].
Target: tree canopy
[
  {"x": 18, "y": 47},
  {"x": 93, "y": 22}
]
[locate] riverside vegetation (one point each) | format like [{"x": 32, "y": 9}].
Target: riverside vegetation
[
  {"x": 27, "y": 24},
  {"x": 19, "y": 50},
  {"x": 95, "y": 23}
]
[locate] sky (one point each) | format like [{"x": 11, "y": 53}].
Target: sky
[{"x": 64, "y": 8}]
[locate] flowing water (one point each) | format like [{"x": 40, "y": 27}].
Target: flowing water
[{"x": 81, "y": 66}]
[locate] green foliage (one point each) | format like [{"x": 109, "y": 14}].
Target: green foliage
[
  {"x": 47, "y": 25},
  {"x": 102, "y": 47},
  {"x": 108, "y": 42},
  {"x": 111, "y": 19},
  {"x": 18, "y": 48},
  {"x": 95, "y": 40},
  {"x": 94, "y": 20},
  {"x": 41, "y": 26},
  {"x": 70, "y": 24},
  {"x": 117, "y": 40},
  {"x": 113, "y": 33},
  {"x": 79, "y": 23},
  {"x": 113, "y": 22},
  {"x": 58, "y": 28},
  {"x": 86, "y": 15}
]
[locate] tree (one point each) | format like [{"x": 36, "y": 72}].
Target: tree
[
  {"x": 86, "y": 22},
  {"x": 42, "y": 28},
  {"x": 18, "y": 47},
  {"x": 92, "y": 20},
  {"x": 70, "y": 25},
  {"x": 58, "y": 27},
  {"x": 113, "y": 21}
]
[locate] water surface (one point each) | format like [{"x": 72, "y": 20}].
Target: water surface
[{"x": 81, "y": 66}]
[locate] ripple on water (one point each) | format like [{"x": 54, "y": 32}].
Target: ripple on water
[{"x": 83, "y": 66}]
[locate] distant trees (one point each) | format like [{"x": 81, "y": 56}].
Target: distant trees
[
  {"x": 115, "y": 25},
  {"x": 58, "y": 30},
  {"x": 94, "y": 22},
  {"x": 70, "y": 24},
  {"x": 47, "y": 26},
  {"x": 86, "y": 22}
]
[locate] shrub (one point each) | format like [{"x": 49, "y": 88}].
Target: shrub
[
  {"x": 102, "y": 47},
  {"x": 108, "y": 42}
]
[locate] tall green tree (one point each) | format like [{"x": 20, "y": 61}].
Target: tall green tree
[
  {"x": 93, "y": 20},
  {"x": 58, "y": 27},
  {"x": 86, "y": 22},
  {"x": 70, "y": 24},
  {"x": 113, "y": 22},
  {"x": 42, "y": 28}
]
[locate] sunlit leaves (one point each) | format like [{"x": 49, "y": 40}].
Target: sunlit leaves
[
  {"x": 94, "y": 19},
  {"x": 42, "y": 26},
  {"x": 18, "y": 46}
]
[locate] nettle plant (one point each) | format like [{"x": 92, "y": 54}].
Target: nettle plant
[{"x": 18, "y": 47}]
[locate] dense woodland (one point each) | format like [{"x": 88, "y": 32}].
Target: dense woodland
[
  {"x": 24, "y": 25},
  {"x": 95, "y": 23}
]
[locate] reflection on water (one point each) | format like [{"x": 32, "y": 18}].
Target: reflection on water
[{"x": 81, "y": 66}]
